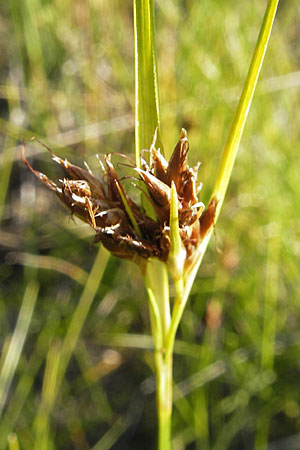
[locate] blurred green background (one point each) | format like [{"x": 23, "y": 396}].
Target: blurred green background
[{"x": 76, "y": 368}]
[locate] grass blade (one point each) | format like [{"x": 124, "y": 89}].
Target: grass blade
[
  {"x": 146, "y": 87},
  {"x": 42, "y": 419},
  {"x": 16, "y": 345},
  {"x": 237, "y": 127},
  {"x": 81, "y": 312},
  {"x": 241, "y": 114}
]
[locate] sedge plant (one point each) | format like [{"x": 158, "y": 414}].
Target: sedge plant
[{"x": 167, "y": 234}]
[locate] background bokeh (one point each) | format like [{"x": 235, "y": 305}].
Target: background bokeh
[{"x": 76, "y": 369}]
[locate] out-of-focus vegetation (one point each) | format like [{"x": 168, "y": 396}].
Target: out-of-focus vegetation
[{"x": 76, "y": 362}]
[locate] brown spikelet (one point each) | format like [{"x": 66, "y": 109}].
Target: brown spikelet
[{"x": 119, "y": 223}]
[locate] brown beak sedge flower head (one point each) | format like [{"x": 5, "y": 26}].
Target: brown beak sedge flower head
[{"x": 120, "y": 224}]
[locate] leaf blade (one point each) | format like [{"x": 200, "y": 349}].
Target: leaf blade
[{"x": 147, "y": 114}]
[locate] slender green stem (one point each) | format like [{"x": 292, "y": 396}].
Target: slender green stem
[
  {"x": 157, "y": 285},
  {"x": 236, "y": 130},
  {"x": 156, "y": 324},
  {"x": 157, "y": 281},
  {"x": 269, "y": 330},
  {"x": 164, "y": 327},
  {"x": 12, "y": 357},
  {"x": 164, "y": 400},
  {"x": 226, "y": 165},
  {"x": 146, "y": 85},
  {"x": 179, "y": 305},
  {"x": 241, "y": 114},
  {"x": 156, "y": 277},
  {"x": 81, "y": 312}
]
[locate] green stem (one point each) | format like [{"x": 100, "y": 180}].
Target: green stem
[
  {"x": 157, "y": 285},
  {"x": 164, "y": 399},
  {"x": 155, "y": 317},
  {"x": 241, "y": 114},
  {"x": 236, "y": 131},
  {"x": 156, "y": 277},
  {"x": 80, "y": 314},
  {"x": 164, "y": 329},
  {"x": 146, "y": 85},
  {"x": 179, "y": 305},
  {"x": 226, "y": 166}
]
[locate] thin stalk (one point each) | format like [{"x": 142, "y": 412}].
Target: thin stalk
[
  {"x": 241, "y": 114},
  {"x": 227, "y": 162},
  {"x": 179, "y": 305},
  {"x": 41, "y": 425},
  {"x": 164, "y": 327},
  {"x": 237, "y": 127},
  {"x": 269, "y": 331},
  {"x": 147, "y": 120},
  {"x": 157, "y": 282},
  {"x": 16, "y": 344},
  {"x": 81, "y": 312},
  {"x": 163, "y": 371},
  {"x": 157, "y": 285},
  {"x": 156, "y": 324},
  {"x": 164, "y": 400}
]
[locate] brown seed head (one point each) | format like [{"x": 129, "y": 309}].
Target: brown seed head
[{"x": 123, "y": 226}]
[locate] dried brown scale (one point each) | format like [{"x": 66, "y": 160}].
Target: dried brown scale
[
  {"x": 178, "y": 164},
  {"x": 127, "y": 247},
  {"x": 77, "y": 173},
  {"x": 159, "y": 165},
  {"x": 190, "y": 194},
  {"x": 112, "y": 180},
  {"x": 104, "y": 205},
  {"x": 160, "y": 195}
]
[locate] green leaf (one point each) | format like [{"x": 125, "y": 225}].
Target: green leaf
[
  {"x": 241, "y": 114},
  {"x": 146, "y": 85},
  {"x": 236, "y": 130}
]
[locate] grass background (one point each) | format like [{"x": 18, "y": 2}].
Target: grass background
[{"x": 76, "y": 362}]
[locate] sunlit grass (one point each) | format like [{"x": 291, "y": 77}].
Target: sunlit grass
[{"x": 67, "y": 82}]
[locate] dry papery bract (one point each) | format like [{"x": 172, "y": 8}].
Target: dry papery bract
[{"x": 123, "y": 226}]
